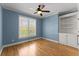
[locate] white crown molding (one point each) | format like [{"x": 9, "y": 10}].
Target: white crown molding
[{"x": 68, "y": 15}]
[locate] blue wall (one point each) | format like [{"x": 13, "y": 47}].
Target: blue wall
[
  {"x": 0, "y": 27},
  {"x": 50, "y": 27},
  {"x": 47, "y": 27},
  {"x": 10, "y": 27}
]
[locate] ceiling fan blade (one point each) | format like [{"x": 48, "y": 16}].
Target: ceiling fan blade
[
  {"x": 39, "y": 6},
  {"x": 42, "y": 6},
  {"x": 45, "y": 11},
  {"x": 41, "y": 14},
  {"x": 35, "y": 12}
]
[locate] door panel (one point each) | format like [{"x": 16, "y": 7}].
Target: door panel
[
  {"x": 62, "y": 38},
  {"x": 72, "y": 40}
]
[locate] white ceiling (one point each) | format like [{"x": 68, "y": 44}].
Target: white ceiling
[{"x": 29, "y": 8}]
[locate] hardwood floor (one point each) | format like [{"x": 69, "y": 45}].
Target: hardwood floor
[{"x": 40, "y": 47}]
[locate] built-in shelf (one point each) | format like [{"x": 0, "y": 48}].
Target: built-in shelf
[{"x": 68, "y": 23}]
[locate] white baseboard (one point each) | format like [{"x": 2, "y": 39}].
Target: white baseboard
[
  {"x": 19, "y": 42},
  {"x": 50, "y": 40},
  {"x": 1, "y": 50}
]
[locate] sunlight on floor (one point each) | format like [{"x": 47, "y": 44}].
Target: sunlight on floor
[{"x": 28, "y": 50}]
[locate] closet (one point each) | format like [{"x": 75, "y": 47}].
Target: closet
[{"x": 68, "y": 29}]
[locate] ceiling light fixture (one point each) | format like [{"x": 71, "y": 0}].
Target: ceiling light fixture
[{"x": 39, "y": 12}]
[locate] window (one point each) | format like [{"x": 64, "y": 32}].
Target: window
[
  {"x": 27, "y": 27},
  {"x": 32, "y": 27}
]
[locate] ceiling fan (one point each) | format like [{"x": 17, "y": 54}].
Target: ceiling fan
[{"x": 40, "y": 10}]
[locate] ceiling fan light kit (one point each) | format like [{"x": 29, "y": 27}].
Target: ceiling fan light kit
[{"x": 39, "y": 12}]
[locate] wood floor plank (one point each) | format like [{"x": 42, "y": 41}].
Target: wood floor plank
[{"x": 40, "y": 47}]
